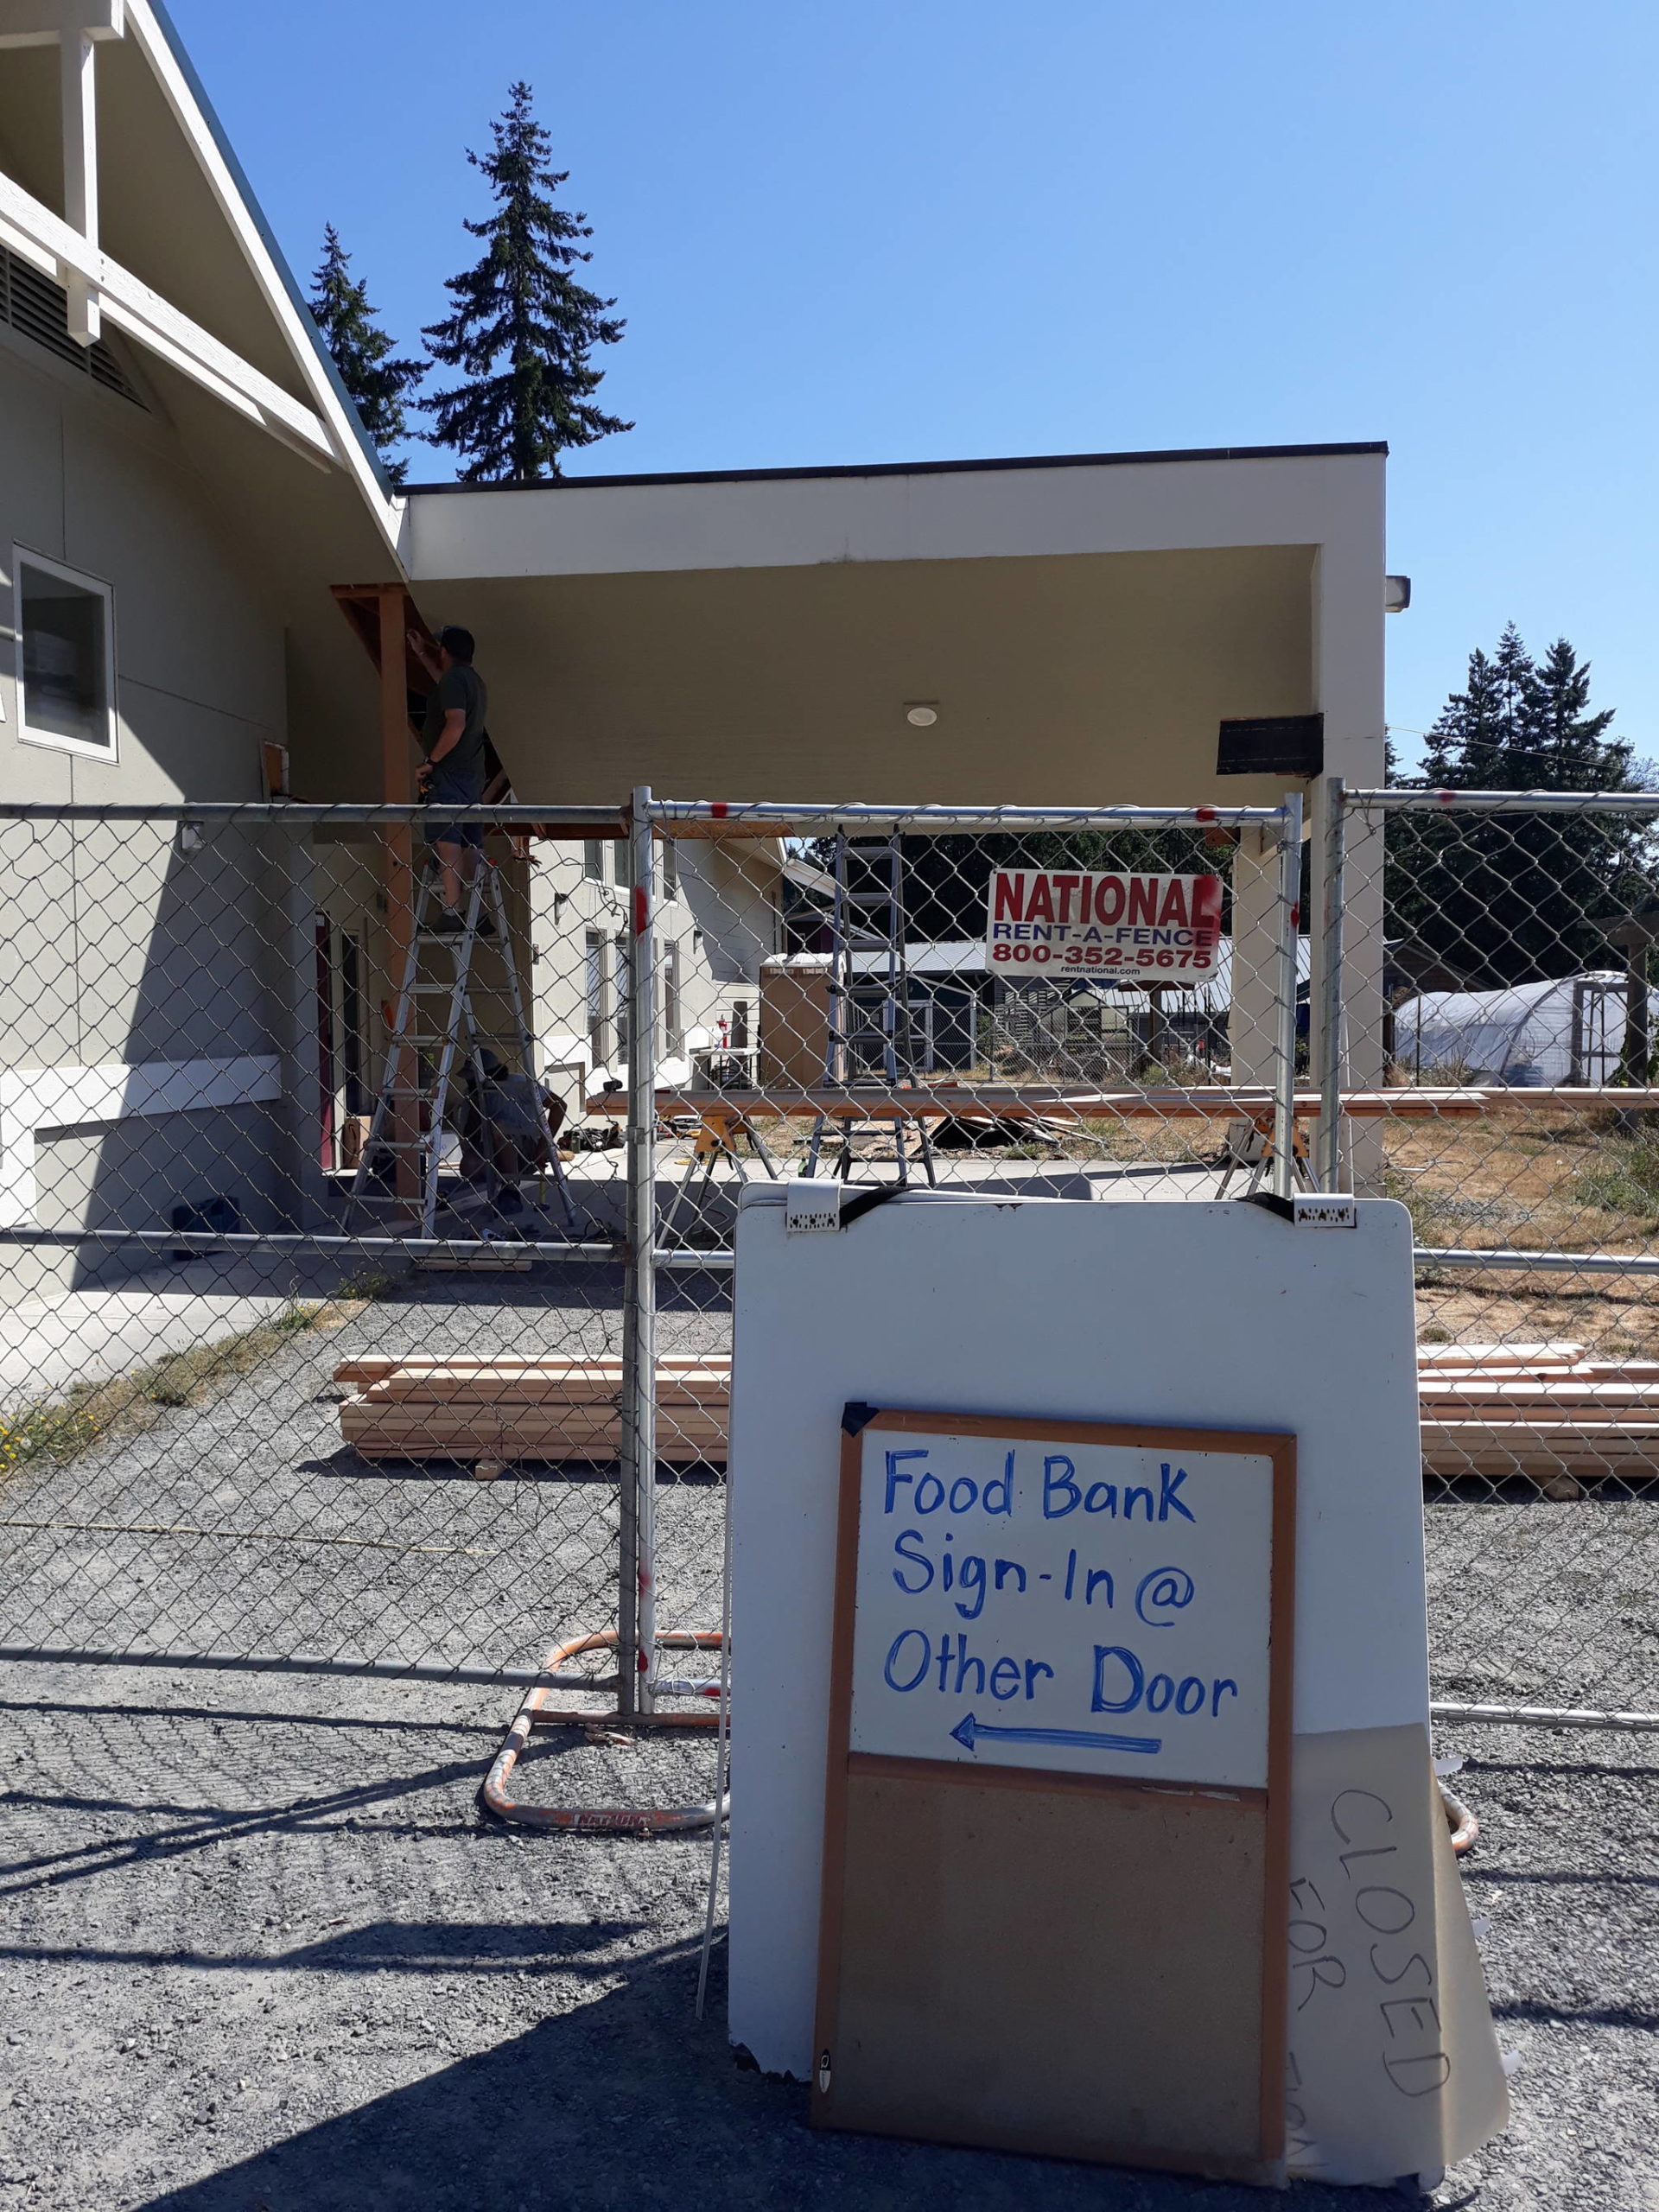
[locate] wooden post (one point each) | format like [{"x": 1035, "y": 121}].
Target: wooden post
[{"x": 404, "y": 1121}]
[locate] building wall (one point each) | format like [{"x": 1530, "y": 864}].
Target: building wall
[
  {"x": 1081, "y": 624},
  {"x": 126, "y": 948},
  {"x": 1081, "y": 679},
  {"x": 721, "y": 922}
]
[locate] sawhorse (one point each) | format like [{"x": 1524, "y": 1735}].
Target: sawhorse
[
  {"x": 718, "y": 1136},
  {"x": 1250, "y": 1147}
]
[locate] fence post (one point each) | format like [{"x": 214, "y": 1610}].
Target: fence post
[
  {"x": 1334, "y": 847},
  {"x": 1284, "y": 1074},
  {"x": 636, "y": 1601}
]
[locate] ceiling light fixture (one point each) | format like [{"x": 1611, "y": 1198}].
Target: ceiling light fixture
[{"x": 922, "y": 714}]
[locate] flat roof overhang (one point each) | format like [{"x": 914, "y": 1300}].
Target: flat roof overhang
[{"x": 1082, "y": 623}]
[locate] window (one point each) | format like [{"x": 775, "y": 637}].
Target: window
[
  {"x": 622, "y": 853},
  {"x": 668, "y": 869},
  {"x": 623, "y": 986},
  {"x": 674, "y": 1036},
  {"x": 66, "y": 633},
  {"x": 594, "y": 948},
  {"x": 593, "y": 859}
]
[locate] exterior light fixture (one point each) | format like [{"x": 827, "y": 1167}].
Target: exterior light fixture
[
  {"x": 921, "y": 714},
  {"x": 1396, "y": 595}
]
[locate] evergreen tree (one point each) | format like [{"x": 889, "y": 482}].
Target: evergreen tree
[
  {"x": 379, "y": 385},
  {"x": 523, "y": 328},
  {"x": 1564, "y": 739},
  {"x": 1499, "y": 898}
]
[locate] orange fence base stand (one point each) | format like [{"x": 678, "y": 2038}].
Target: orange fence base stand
[{"x": 607, "y": 1819}]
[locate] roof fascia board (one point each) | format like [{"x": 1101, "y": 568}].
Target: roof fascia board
[
  {"x": 980, "y": 465},
  {"x": 61, "y": 253},
  {"x": 1070, "y": 508},
  {"x": 148, "y": 24}
]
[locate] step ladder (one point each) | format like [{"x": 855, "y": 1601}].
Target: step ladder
[
  {"x": 871, "y": 1039},
  {"x": 424, "y": 1063}
]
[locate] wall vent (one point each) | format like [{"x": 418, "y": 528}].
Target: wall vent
[{"x": 39, "y": 308}]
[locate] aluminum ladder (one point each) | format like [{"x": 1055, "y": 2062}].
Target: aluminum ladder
[
  {"x": 869, "y": 1044},
  {"x": 435, "y": 1057}
]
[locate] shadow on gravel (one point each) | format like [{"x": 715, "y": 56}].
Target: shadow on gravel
[
  {"x": 443, "y": 1947},
  {"x": 196, "y": 1829},
  {"x": 630, "y": 2102},
  {"x": 560, "y": 1473},
  {"x": 214, "y": 1715},
  {"x": 1600, "y": 2016}
]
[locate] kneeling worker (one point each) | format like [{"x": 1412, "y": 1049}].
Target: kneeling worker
[
  {"x": 453, "y": 772},
  {"x": 509, "y": 1125}
]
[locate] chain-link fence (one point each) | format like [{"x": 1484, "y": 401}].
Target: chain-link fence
[
  {"x": 1496, "y": 948},
  {"x": 367, "y": 1200},
  {"x": 312, "y": 1336},
  {"x": 1049, "y": 1004},
  {"x": 366, "y": 1193},
  {"x": 1002, "y": 1001}
]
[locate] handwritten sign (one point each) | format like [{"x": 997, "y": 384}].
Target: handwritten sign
[
  {"x": 1394, "y": 2063},
  {"x": 1078, "y": 1607},
  {"x": 1146, "y": 928}
]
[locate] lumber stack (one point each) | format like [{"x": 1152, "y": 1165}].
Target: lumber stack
[
  {"x": 513, "y": 1409},
  {"x": 1544, "y": 1410}
]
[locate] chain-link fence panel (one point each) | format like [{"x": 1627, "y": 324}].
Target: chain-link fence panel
[
  {"x": 1495, "y": 955},
  {"x": 370, "y": 1181},
  {"x": 313, "y": 1270},
  {"x": 1001, "y": 1001}
]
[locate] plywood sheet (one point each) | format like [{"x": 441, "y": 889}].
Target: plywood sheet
[{"x": 1054, "y": 1964}]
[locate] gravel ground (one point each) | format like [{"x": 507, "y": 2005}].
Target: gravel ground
[
  {"x": 1532, "y": 1602},
  {"x": 261, "y": 1954},
  {"x": 242, "y": 1524}
]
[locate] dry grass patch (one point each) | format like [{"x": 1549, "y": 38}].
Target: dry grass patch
[{"x": 60, "y": 1429}]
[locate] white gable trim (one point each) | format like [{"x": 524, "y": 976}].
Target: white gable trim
[
  {"x": 32, "y": 230},
  {"x": 143, "y": 26}
]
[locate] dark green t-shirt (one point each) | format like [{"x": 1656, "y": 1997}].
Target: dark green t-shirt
[{"x": 463, "y": 687}]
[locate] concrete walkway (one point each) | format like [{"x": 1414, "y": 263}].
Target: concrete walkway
[{"x": 49, "y": 1343}]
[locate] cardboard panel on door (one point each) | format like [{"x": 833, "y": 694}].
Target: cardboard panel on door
[{"x": 1053, "y": 1911}]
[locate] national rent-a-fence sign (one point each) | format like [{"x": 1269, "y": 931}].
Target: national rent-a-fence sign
[{"x": 1150, "y": 928}]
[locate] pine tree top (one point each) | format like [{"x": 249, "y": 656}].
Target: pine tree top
[
  {"x": 379, "y": 385},
  {"x": 1524, "y": 724},
  {"x": 522, "y": 326}
]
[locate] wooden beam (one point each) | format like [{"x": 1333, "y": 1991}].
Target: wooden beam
[
  {"x": 396, "y": 770},
  {"x": 81, "y": 174},
  {"x": 397, "y": 785},
  {"x": 43, "y": 22},
  {"x": 164, "y": 329},
  {"x": 362, "y": 605}
]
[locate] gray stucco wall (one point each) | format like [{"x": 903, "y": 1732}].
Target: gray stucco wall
[{"x": 122, "y": 947}]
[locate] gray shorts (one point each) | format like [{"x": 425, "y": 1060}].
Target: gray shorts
[{"x": 452, "y": 790}]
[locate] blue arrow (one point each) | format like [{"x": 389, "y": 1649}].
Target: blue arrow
[{"x": 968, "y": 1729}]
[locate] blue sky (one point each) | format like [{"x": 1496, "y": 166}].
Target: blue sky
[{"x": 891, "y": 230}]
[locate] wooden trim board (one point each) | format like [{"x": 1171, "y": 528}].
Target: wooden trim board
[{"x": 891, "y": 1951}]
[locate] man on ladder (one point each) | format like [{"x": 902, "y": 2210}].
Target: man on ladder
[
  {"x": 435, "y": 1044},
  {"x": 452, "y": 774}
]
